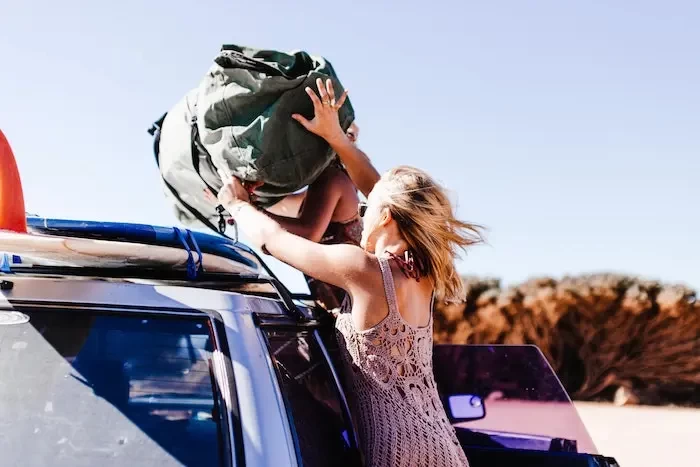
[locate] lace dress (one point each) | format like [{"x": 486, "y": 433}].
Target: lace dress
[{"x": 391, "y": 389}]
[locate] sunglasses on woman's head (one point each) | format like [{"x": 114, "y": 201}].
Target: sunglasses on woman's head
[{"x": 362, "y": 209}]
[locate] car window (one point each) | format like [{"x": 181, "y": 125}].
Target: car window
[
  {"x": 82, "y": 388},
  {"x": 523, "y": 401},
  {"x": 321, "y": 433}
]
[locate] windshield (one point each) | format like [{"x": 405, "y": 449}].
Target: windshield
[
  {"x": 81, "y": 388},
  {"x": 525, "y": 405}
]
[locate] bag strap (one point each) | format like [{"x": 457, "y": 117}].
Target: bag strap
[
  {"x": 231, "y": 58},
  {"x": 155, "y": 131}
]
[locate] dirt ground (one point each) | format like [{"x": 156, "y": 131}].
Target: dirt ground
[{"x": 643, "y": 436}]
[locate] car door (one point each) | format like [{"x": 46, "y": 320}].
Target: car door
[{"x": 509, "y": 408}]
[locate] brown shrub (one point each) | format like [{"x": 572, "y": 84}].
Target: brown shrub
[{"x": 607, "y": 336}]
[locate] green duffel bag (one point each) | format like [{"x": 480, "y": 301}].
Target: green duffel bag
[{"x": 239, "y": 119}]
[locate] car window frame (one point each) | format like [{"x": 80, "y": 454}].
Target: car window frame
[{"x": 279, "y": 323}]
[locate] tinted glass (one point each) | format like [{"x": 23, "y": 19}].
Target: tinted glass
[
  {"x": 318, "y": 425},
  {"x": 526, "y": 406},
  {"x": 84, "y": 389}
]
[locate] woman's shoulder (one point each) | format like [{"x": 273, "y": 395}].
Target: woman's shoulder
[{"x": 359, "y": 268}]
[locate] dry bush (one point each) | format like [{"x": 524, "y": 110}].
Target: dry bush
[{"x": 607, "y": 336}]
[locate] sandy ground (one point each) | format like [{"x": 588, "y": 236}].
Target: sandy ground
[{"x": 644, "y": 436}]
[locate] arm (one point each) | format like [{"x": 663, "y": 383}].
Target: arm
[
  {"x": 345, "y": 266},
  {"x": 324, "y": 196},
  {"x": 359, "y": 167},
  {"x": 326, "y": 125}
]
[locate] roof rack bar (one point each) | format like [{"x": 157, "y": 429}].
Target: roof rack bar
[
  {"x": 137, "y": 272},
  {"x": 302, "y": 296},
  {"x": 171, "y": 274},
  {"x": 287, "y": 300}
]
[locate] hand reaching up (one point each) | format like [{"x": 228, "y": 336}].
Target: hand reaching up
[{"x": 325, "y": 123}]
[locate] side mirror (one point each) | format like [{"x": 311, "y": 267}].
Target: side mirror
[{"x": 464, "y": 407}]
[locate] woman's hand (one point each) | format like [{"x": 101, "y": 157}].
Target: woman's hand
[
  {"x": 232, "y": 194},
  {"x": 325, "y": 123}
]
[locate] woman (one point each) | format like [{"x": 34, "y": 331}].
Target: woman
[
  {"x": 327, "y": 211},
  {"x": 408, "y": 245}
]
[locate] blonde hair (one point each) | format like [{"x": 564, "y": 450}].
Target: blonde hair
[{"x": 426, "y": 220}]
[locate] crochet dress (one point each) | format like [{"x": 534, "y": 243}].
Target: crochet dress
[{"x": 392, "y": 393}]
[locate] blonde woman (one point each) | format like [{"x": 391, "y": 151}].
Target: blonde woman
[{"x": 406, "y": 256}]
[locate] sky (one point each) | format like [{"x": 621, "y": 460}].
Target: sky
[{"x": 570, "y": 129}]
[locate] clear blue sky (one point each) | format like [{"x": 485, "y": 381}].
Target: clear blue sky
[{"x": 571, "y": 129}]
